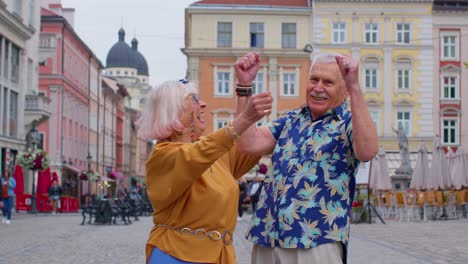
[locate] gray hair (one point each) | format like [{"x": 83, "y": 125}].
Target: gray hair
[
  {"x": 323, "y": 57},
  {"x": 164, "y": 106}
]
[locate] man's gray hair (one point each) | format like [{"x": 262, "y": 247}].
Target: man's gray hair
[{"x": 323, "y": 57}]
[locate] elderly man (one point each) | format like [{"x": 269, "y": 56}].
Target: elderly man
[{"x": 303, "y": 212}]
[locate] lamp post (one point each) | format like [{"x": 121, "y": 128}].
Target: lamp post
[
  {"x": 34, "y": 136},
  {"x": 89, "y": 158}
]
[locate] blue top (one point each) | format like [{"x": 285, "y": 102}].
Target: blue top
[
  {"x": 309, "y": 188},
  {"x": 11, "y": 186}
]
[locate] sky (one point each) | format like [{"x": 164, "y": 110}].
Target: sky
[{"x": 158, "y": 26}]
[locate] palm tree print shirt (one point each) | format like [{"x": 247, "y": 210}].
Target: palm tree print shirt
[{"x": 309, "y": 188}]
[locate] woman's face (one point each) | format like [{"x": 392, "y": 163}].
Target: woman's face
[{"x": 192, "y": 116}]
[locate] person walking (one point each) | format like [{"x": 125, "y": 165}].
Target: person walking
[
  {"x": 242, "y": 195},
  {"x": 303, "y": 212},
  {"x": 253, "y": 192},
  {"x": 8, "y": 186},
  {"x": 55, "y": 193}
]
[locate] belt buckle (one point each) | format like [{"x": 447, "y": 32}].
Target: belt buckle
[{"x": 227, "y": 238}]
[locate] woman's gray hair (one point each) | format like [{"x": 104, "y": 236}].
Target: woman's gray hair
[{"x": 163, "y": 108}]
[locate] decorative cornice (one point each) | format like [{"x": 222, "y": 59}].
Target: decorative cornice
[
  {"x": 236, "y": 53},
  {"x": 12, "y": 21},
  {"x": 374, "y": 1}
]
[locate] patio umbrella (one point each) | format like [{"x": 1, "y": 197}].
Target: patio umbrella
[
  {"x": 450, "y": 157},
  {"x": 379, "y": 177},
  {"x": 439, "y": 175},
  {"x": 421, "y": 170},
  {"x": 460, "y": 170},
  {"x": 18, "y": 175}
]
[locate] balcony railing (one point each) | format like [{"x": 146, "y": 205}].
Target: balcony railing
[{"x": 37, "y": 108}]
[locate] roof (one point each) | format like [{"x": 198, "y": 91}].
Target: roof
[
  {"x": 122, "y": 55},
  {"x": 50, "y": 17},
  {"x": 282, "y": 3},
  {"x": 450, "y": 5}
]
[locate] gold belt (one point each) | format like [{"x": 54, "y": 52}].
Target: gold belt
[{"x": 214, "y": 235}]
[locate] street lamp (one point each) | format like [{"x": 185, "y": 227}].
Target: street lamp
[
  {"x": 89, "y": 158},
  {"x": 34, "y": 138}
]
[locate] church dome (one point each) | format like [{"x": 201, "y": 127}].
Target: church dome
[
  {"x": 121, "y": 54},
  {"x": 141, "y": 65}
]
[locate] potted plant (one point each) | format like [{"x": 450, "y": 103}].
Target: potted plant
[{"x": 36, "y": 159}]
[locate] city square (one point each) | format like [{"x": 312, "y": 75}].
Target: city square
[
  {"x": 47, "y": 239},
  {"x": 312, "y": 113}
]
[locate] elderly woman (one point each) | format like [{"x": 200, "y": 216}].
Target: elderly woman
[{"x": 191, "y": 180}]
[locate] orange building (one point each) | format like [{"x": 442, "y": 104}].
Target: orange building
[{"x": 217, "y": 33}]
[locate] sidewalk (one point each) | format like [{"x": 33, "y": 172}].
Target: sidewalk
[{"x": 395, "y": 242}]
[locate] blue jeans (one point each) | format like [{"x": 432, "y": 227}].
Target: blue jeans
[
  {"x": 159, "y": 257},
  {"x": 7, "y": 205}
]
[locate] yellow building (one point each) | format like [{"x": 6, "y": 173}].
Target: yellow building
[
  {"x": 217, "y": 34},
  {"x": 393, "y": 42}
]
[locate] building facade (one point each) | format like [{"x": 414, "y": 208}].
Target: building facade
[
  {"x": 69, "y": 72},
  {"x": 451, "y": 76},
  {"x": 20, "y": 102},
  {"x": 218, "y": 33},
  {"x": 392, "y": 41}
]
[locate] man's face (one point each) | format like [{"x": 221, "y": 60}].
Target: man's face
[{"x": 326, "y": 88}]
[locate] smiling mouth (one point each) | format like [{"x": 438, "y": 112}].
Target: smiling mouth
[
  {"x": 200, "y": 117},
  {"x": 319, "y": 98}
]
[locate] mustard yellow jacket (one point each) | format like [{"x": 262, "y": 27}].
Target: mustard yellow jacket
[{"x": 194, "y": 185}]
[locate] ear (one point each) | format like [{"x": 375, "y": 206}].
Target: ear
[{"x": 177, "y": 126}]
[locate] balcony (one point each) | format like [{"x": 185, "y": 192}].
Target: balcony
[{"x": 37, "y": 109}]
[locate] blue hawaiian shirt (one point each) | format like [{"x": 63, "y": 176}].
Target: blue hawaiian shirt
[{"x": 309, "y": 188}]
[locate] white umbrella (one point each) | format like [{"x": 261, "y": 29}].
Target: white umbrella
[
  {"x": 450, "y": 157},
  {"x": 379, "y": 177},
  {"x": 459, "y": 170},
  {"x": 439, "y": 176},
  {"x": 421, "y": 170}
]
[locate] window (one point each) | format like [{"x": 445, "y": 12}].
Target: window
[
  {"x": 288, "y": 84},
  {"x": 223, "y": 83},
  {"x": 371, "y": 31},
  {"x": 256, "y": 35},
  {"x": 403, "y": 33},
  {"x": 5, "y": 110},
  {"x": 13, "y": 113},
  {"x": 5, "y": 60},
  {"x": 403, "y": 74},
  {"x": 339, "y": 32},
  {"x": 370, "y": 78},
  {"x": 220, "y": 123},
  {"x": 403, "y": 77},
  {"x": 258, "y": 83},
  {"x": 15, "y": 54},
  {"x": 450, "y": 131},
  {"x": 224, "y": 34},
  {"x": 449, "y": 45},
  {"x": 375, "y": 118},
  {"x": 404, "y": 121},
  {"x": 449, "y": 86},
  {"x": 288, "y": 35},
  {"x": 31, "y": 12}
]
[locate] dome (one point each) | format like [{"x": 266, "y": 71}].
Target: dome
[
  {"x": 141, "y": 65},
  {"x": 121, "y": 55}
]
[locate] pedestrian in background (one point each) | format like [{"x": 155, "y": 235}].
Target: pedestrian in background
[
  {"x": 242, "y": 195},
  {"x": 55, "y": 192},
  {"x": 304, "y": 208},
  {"x": 8, "y": 186},
  {"x": 253, "y": 192},
  {"x": 191, "y": 180}
]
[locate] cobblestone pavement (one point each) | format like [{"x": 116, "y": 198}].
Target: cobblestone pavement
[{"x": 60, "y": 239}]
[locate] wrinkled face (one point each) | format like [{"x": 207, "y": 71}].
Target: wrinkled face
[
  {"x": 326, "y": 88},
  {"x": 193, "y": 115}
]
